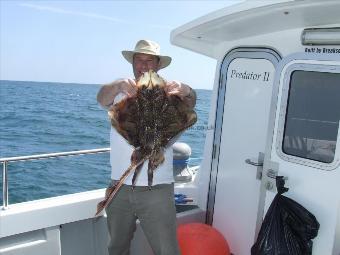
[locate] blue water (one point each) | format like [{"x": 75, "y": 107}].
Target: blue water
[{"x": 44, "y": 117}]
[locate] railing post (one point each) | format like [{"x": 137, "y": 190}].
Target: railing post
[{"x": 4, "y": 186}]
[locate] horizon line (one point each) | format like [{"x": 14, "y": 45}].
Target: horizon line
[{"x": 75, "y": 83}]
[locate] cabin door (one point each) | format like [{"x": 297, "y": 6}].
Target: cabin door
[
  {"x": 304, "y": 144},
  {"x": 246, "y": 82}
]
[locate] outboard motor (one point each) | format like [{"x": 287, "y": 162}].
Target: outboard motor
[{"x": 181, "y": 152}]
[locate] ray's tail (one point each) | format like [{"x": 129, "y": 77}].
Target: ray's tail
[{"x": 113, "y": 191}]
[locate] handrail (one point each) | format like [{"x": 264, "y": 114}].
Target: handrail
[
  {"x": 5, "y": 162},
  {"x": 54, "y": 155}
]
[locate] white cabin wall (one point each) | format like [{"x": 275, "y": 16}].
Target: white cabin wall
[
  {"x": 324, "y": 202},
  {"x": 284, "y": 42},
  {"x": 263, "y": 41}
]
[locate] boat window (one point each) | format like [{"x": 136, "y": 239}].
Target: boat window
[{"x": 313, "y": 113}]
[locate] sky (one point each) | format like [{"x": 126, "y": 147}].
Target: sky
[{"x": 81, "y": 41}]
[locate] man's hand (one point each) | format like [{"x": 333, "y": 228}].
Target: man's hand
[
  {"x": 183, "y": 91},
  {"x": 178, "y": 89},
  {"x": 108, "y": 93},
  {"x": 127, "y": 86}
]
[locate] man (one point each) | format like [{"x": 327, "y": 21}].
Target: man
[{"x": 154, "y": 208}]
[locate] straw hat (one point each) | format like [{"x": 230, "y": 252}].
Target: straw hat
[{"x": 147, "y": 47}]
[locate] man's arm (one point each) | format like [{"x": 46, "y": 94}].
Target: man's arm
[{"x": 108, "y": 92}]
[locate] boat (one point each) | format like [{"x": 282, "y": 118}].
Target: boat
[{"x": 275, "y": 112}]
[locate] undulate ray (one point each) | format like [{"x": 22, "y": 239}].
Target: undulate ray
[{"x": 148, "y": 121}]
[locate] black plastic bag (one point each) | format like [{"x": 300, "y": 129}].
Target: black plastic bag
[{"x": 287, "y": 228}]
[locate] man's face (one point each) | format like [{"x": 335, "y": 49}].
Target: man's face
[{"x": 143, "y": 63}]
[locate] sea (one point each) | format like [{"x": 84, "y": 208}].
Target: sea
[{"x": 48, "y": 117}]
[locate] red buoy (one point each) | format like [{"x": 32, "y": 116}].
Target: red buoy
[{"x": 201, "y": 239}]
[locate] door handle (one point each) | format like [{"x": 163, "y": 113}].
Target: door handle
[
  {"x": 258, "y": 162},
  {"x": 250, "y": 162}
]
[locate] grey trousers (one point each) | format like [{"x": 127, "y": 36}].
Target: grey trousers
[{"x": 156, "y": 212}]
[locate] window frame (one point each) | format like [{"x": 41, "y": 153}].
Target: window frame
[{"x": 286, "y": 80}]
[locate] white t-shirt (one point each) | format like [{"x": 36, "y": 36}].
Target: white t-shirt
[{"x": 120, "y": 159}]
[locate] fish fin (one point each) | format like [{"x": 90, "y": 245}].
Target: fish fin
[
  {"x": 136, "y": 157},
  {"x": 100, "y": 206},
  {"x": 134, "y": 178},
  {"x": 150, "y": 176},
  {"x": 108, "y": 198},
  {"x": 155, "y": 160}
]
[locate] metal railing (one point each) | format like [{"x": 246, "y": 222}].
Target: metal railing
[{"x": 5, "y": 162}]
